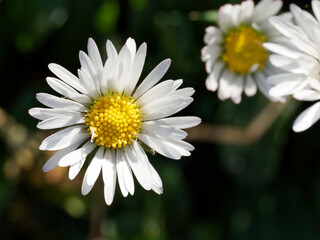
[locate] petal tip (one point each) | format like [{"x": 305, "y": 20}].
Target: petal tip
[
  {"x": 45, "y": 169},
  {"x": 298, "y": 129},
  {"x": 30, "y": 112},
  {"x": 42, "y": 148}
]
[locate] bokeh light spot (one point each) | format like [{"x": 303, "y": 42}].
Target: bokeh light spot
[
  {"x": 107, "y": 17},
  {"x": 75, "y": 207}
]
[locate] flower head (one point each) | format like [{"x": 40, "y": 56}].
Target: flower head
[
  {"x": 301, "y": 63},
  {"x": 104, "y": 112},
  {"x": 235, "y": 57}
]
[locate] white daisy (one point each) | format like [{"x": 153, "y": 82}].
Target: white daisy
[
  {"x": 234, "y": 56},
  {"x": 302, "y": 79},
  {"x": 104, "y": 113}
]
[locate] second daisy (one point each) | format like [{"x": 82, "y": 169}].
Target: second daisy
[{"x": 235, "y": 58}]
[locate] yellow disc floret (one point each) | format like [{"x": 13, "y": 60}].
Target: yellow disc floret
[
  {"x": 242, "y": 48},
  {"x": 113, "y": 121}
]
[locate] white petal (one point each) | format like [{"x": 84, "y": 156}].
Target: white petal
[
  {"x": 88, "y": 65},
  {"x": 60, "y": 121},
  {"x": 157, "y": 183},
  {"x": 109, "y": 174},
  {"x": 264, "y": 86},
  {"x": 106, "y": 75},
  {"x": 109, "y": 193},
  {"x": 131, "y": 44},
  {"x": 211, "y": 55},
  {"x": 166, "y": 102},
  {"x": 286, "y": 16},
  {"x": 54, "y": 160},
  {"x": 56, "y": 102},
  {"x": 224, "y": 17},
  {"x": 122, "y": 71},
  {"x": 235, "y": 14},
  {"x": 153, "y": 77},
  {"x": 45, "y": 113},
  {"x": 307, "y": 65},
  {"x": 212, "y": 82},
  {"x": 297, "y": 36},
  {"x": 250, "y": 87},
  {"x": 75, "y": 169},
  {"x": 65, "y": 90},
  {"x": 270, "y": 70},
  {"x": 179, "y": 122},
  {"x": 306, "y": 22},
  {"x": 253, "y": 68},
  {"x": 163, "y": 130},
  {"x": 92, "y": 172},
  {"x": 286, "y": 64},
  {"x": 159, "y": 146},
  {"x": 64, "y": 138},
  {"x": 136, "y": 68},
  {"x": 160, "y": 90},
  {"x": 77, "y": 155},
  {"x": 171, "y": 144},
  {"x": 307, "y": 118},
  {"x": 282, "y": 77},
  {"x": 247, "y": 8},
  {"x": 285, "y": 27},
  {"x": 291, "y": 85},
  {"x": 213, "y": 78},
  {"x": 185, "y": 92},
  {"x": 128, "y": 178},
  {"x": 66, "y": 76},
  {"x": 224, "y": 90},
  {"x": 111, "y": 50},
  {"x": 266, "y": 8},
  {"x": 125, "y": 178},
  {"x": 212, "y": 34},
  {"x": 280, "y": 40},
  {"x": 157, "y": 110},
  {"x": 177, "y": 83},
  {"x": 94, "y": 55},
  {"x": 306, "y": 46},
  {"x": 316, "y": 9},
  {"x": 150, "y": 172},
  {"x": 236, "y": 89},
  {"x": 109, "y": 67},
  {"x": 282, "y": 50},
  {"x": 88, "y": 82},
  {"x": 140, "y": 166},
  {"x": 181, "y": 144},
  {"x": 212, "y": 51},
  {"x": 314, "y": 82},
  {"x": 307, "y": 95}
]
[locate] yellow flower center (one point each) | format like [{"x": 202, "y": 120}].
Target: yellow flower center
[
  {"x": 242, "y": 48},
  {"x": 113, "y": 121}
]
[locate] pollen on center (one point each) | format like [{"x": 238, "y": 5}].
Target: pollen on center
[
  {"x": 113, "y": 121},
  {"x": 242, "y": 48}
]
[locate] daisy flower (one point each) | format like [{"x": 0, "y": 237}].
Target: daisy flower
[
  {"x": 301, "y": 64},
  {"x": 106, "y": 114},
  {"x": 234, "y": 56}
]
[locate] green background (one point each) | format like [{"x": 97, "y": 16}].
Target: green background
[{"x": 268, "y": 190}]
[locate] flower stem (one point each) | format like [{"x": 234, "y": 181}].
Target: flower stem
[{"x": 98, "y": 212}]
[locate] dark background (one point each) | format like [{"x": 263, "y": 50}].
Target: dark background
[{"x": 267, "y": 190}]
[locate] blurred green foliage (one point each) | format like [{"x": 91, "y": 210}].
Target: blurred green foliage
[{"x": 267, "y": 190}]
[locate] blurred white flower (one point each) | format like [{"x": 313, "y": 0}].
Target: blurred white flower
[
  {"x": 105, "y": 113},
  {"x": 234, "y": 56},
  {"x": 302, "y": 79}
]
